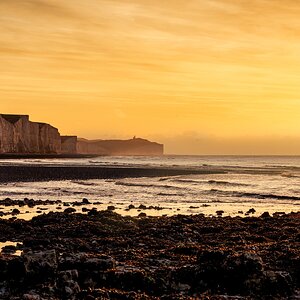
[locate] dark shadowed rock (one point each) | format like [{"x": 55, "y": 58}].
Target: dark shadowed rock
[
  {"x": 69, "y": 210},
  {"x": 265, "y": 215},
  {"x": 85, "y": 201},
  {"x": 40, "y": 264}
]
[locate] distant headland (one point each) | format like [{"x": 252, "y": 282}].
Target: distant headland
[{"x": 19, "y": 135}]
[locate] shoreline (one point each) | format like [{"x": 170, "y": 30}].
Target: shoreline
[{"x": 102, "y": 254}]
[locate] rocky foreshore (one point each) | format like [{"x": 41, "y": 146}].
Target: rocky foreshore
[{"x": 103, "y": 255}]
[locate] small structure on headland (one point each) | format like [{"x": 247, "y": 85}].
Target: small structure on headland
[{"x": 19, "y": 135}]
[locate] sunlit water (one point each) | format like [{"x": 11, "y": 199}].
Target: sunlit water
[{"x": 245, "y": 186}]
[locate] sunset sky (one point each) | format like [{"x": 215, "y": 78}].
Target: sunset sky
[{"x": 201, "y": 76}]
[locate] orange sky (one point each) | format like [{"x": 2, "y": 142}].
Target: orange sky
[{"x": 201, "y": 76}]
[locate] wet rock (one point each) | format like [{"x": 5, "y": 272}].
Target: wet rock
[
  {"x": 251, "y": 211},
  {"x": 131, "y": 206},
  {"x": 278, "y": 214},
  {"x": 106, "y": 255},
  {"x": 85, "y": 201},
  {"x": 67, "y": 284},
  {"x": 4, "y": 290},
  {"x": 265, "y": 215},
  {"x": 69, "y": 210},
  {"x": 9, "y": 249},
  {"x": 128, "y": 278},
  {"x": 142, "y": 206},
  {"x": 220, "y": 212},
  {"x": 15, "y": 212},
  {"x": 111, "y": 207},
  {"x": 93, "y": 212},
  {"x": 142, "y": 215},
  {"x": 40, "y": 264},
  {"x": 82, "y": 261},
  {"x": 31, "y": 296}
]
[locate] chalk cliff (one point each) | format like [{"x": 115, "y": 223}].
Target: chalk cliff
[
  {"x": 19, "y": 135},
  {"x": 69, "y": 144}
]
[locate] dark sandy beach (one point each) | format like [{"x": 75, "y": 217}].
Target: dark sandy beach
[
  {"x": 103, "y": 255},
  {"x": 15, "y": 173}
]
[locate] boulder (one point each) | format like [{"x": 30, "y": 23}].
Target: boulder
[{"x": 40, "y": 264}]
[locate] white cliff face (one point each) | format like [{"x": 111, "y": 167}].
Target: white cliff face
[
  {"x": 69, "y": 144},
  {"x": 6, "y": 136},
  {"x": 19, "y": 135},
  {"x": 49, "y": 139}
]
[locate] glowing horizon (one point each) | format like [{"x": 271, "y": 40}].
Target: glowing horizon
[{"x": 202, "y": 77}]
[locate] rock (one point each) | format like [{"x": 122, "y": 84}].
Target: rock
[
  {"x": 70, "y": 210},
  {"x": 220, "y": 212},
  {"x": 9, "y": 249},
  {"x": 265, "y": 215},
  {"x": 251, "y": 211},
  {"x": 15, "y": 212},
  {"x": 127, "y": 278},
  {"x": 142, "y": 215},
  {"x": 85, "y": 201},
  {"x": 4, "y": 290},
  {"x": 244, "y": 263},
  {"x": 67, "y": 284},
  {"x": 111, "y": 207},
  {"x": 278, "y": 214},
  {"x": 131, "y": 206},
  {"x": 142, "y": 206},
  {"x": 179, "y": 257},
  {"x": 93, "y": 212},
  {"x": 29, "y": 202},
  {"x": 31, "y": 297},
  {"x": 40, "y": 264},
  {"x": 82, "y": 261}
]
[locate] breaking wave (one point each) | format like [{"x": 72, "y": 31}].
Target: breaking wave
[
  {"x": 254, "y": 195},
  {"x": 165, "y": 186},
  {"x": 212, "y": 182},
  {"x": 85, "y": 183}
]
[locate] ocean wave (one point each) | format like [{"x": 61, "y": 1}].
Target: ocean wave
[
  {"x": 165, "y": 186},
  {"x": 170, "y": 195},
  {"x": 254, "y": 195},
  {"x": 10, "y": 193},
  {"x": 85, "y": 183},
  {"x": 289, "y": 175},
  {"x": 212, "y": 182},
  {"x": 219, "y": 182}
]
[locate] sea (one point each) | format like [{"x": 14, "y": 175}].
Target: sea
[{"x": 257, "y": 183}]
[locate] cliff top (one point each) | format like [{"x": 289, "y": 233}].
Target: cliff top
[{"x": 13, "y": 118}]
